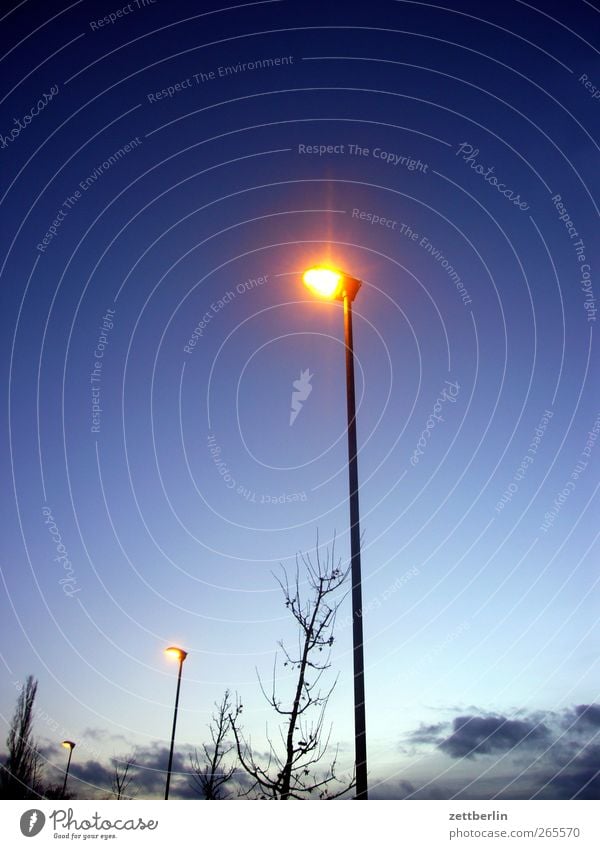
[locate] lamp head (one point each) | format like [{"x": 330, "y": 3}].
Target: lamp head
[
  {"x": 331, "y": 284},
  {"x": 68, "y": 744},
  {"x": 177, "y": 653},
  {"x": 324, "y": 282}
]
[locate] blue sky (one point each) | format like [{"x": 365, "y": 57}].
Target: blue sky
[{"x": 176, "y": 204}]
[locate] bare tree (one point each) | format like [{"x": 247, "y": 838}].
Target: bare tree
[
  {"x": 21, "y": 773},
  {"x": 122, "y": 777},
  {"x": 293, "y": 771},
  {"x": 210, "y": 774}
]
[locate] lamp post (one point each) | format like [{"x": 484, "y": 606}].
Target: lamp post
[
  {"x": 335, "y": 285},
  {"x": 70, "y": 745},
  {"x": 181, "y": 655}
]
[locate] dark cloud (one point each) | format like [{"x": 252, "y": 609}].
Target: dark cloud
[
  {"x": 47, "y": 750},
  {"x": 91, "y": 778},
  {"x": 583, "y": 716},
  {"x": 545, "y": 755},
  {"x": 91, "y": 773},
  {"x": 485, "y": 735},
  {"x": 428, "y": 733},
  {"x": 149, "y": 773},
  {"x": 403, "y": 789},
  {"x": 580, "y": 779},
  {"x": 392, "y": 790},
  {"x": 101, "y": 735}
]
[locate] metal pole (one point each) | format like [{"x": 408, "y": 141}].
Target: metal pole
[
  {"x": 67, "y": 772},
  {"x": 360, "y": 731},
  {"x": 173, "y": 732}
]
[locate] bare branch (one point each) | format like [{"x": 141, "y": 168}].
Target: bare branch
[
  {"x": 210, "y": 773},
  {"x": 292, "y": 774},
  {"x": 122, "y": 777}
]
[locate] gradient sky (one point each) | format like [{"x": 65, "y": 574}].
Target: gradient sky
[{"x": 479, "y": 553}]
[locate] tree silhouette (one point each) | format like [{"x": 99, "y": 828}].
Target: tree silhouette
[
  {"x": 293, "y": 771},
  {"x": 122, "y": 777},
  {"x": 210, "y": 775},
  {"x": 21, "y": 773}
]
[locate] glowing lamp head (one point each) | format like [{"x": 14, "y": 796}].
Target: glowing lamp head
[
  {"x": 68, "y": 744},
  {"x": 177, "y": 653},
  {"x": 331, "y": 284},
  {"x": 324, "y": 282}
]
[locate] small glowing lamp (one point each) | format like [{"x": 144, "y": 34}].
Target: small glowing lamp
[
  {"x": 324, "y": 282},
  {"x": 176, "y": 652}
]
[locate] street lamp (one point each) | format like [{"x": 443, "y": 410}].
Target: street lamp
[
  {"x": 335, "y": 285},
  {"x": 181, "y": 655},
  {"x": 70, "y": 745}
]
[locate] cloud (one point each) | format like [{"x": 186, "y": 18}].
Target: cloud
[
  {"x": 392, "y": 790},
  {"x": 102, "y": 735},
  {"x": 580, "y": 779},
  {"x": 92, "y": 777},
  {"x": 530, "y": 754},
  {"x": 546, "y": 755},
  {"x": 149, "y": 773},
  {"x": 583, "y": 716},
  {"x": 428, "y": 733},
  {"x": 403, "y": 789},
  {"x": 92, "y": 773},
  {"x": 484, "y": 735}
]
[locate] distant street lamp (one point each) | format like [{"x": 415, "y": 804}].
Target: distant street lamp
[
  {"x": 181, "y": 655},
  {"x": 70, "y": 745},
  {"x": 335, "y": 285}
]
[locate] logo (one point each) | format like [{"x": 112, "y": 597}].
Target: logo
[
  {"x": 32, "y": 822},
  {"x": 303, "y": 390}
]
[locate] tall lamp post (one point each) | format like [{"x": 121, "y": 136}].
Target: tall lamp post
[
  {"x": 70, "y": 745},
  {"x": 181, "y": 655},
  {"x": 335, "y": 285}
]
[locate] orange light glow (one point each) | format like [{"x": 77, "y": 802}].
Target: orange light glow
[
  {"x": 176, "y": 652},
  {"x": 324, "y": 282}
]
